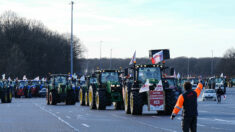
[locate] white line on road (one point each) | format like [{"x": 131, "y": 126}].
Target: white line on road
[
  {"x": 203, "y": 111},
  {"x": 59, "y": 118},
  {"x": 85, "y": 125},
  {"x": 200, "y": 124},
  {"x": 68, "y": 117},
  {"x": 143, "y": 123}
]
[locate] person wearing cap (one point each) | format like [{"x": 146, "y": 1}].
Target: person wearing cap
[{"x": 188, "y": 101}]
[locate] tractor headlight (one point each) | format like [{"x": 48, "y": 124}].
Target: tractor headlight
[
  {"x": 118, "y": 85},
  {"x": 112, "y": 85}
]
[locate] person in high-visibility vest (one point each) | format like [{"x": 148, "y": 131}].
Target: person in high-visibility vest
[{"x": 188, "y": 100}]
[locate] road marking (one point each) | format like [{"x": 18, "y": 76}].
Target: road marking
[
  {"x": 143, "y": 123},
  {"x": 57, "y": 112},
  {"x": 59, "y": 118},
  {"x": 85, "y": 125},
  {"x": 200, "y": 125},
  {"x": 203, "y": 111},
  {"x": 179, "y": 118},
  {"x": 221, "y": 120},
  {"x": 68, "y": 117}
]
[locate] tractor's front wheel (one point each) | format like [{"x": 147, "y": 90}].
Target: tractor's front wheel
[
  {"x": 118, "y": 105},
  {"x": 91, "y": 97},
  {"x": 100, "y": 100},
  {"x": 136, "y": 105},
  {"x": 4, "y": 97},
  {"x": 81, "y": 97},
  {"x": 52, "y": 98},
  {"x": 71, "y": 99},
  {"x": 127, "y": 101},
  {"x": 86, "y": 99}
]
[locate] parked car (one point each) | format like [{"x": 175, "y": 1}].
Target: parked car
[
  {"x": 209, "y": 94},
  {"x": 42, "y": 92}
]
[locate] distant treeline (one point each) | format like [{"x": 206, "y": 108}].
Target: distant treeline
[
  {"x": 27, "y": 47},
  {"x": 194, "y": 66}
]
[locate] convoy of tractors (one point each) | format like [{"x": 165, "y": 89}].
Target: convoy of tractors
[{"x": 153, "y": 85}]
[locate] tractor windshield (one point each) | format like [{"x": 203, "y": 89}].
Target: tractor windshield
[
  {"x": 60, "y": 80},
  {"x": 109, "y": 76},
  {"x": 35, "y": 83},
  {"x": 93, "y": 80},
  {"x": 170, "y": 83},
  {"x": 219, "y": 80},
  {"x": 145, "y": 73},
  {"x": 22, "y": 83}
]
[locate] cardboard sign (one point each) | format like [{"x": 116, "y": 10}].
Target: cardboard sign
[{"x": 156, "y": 100}]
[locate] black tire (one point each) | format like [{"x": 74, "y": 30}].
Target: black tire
[
  {"x": 16, "y": 96},
  {"x": 91, "y": 97},
  {"x": 86, "y": 99},
  {"x": 127, "y": 101},
  {"x": 100, "y": 100},
  {"x": 52, "y": 98},
  {"x": 118, "y": 105},
  {"x": 170, "y": 101},
  {"x": 47, "y": 97},
  {"x": 71, "y": 98},
  {"x": 82, "y": 97},
  {"x": 136, "y": 105},
  {"x": 9, "y": 96},
  {"x": 4, "y": 96}
]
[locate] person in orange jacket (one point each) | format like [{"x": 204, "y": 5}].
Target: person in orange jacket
[{"x": 188, "y": 100}]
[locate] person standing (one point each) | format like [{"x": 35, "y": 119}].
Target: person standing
[
  {"x": 219, "y": 93},
  {"x": 188, "y": 101}
]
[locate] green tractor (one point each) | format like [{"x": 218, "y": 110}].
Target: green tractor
[
  {"x": 5, "y": 91},
  {"x": 60, "y": 90},
  {"x": 107, "y": 91},
  {"x": 145, "y": 85},
  {"x": 83, "y": 92}
]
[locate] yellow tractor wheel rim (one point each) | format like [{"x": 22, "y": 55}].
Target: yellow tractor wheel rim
[
  {"x": 90, "y": 97},
  {"x": 80, "y": 96}
]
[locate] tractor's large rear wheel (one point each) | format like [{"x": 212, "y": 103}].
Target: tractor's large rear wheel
[
  {"x": 127, "y": 101},
  {"x": 52, "y": 98},
  {"x": 100, "y": 100},
  {"x": 47, "y": 97},
  {"x": 9, "y": 96},
  {"x": 136, "y": 104},
  {"x": 82, "y": 97},
  {"x": 170, "y": 101},
  {"x": 91, "y": 95}
]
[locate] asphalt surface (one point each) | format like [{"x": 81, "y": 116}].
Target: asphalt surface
[{"x": 33, "y": 115}]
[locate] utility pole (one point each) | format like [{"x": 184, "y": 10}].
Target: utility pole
[
  {"x": 71, "y": 41},
  {"x": 188, "y": 67},
  {"x": 110, "y": 64},
  {"x": 212, "y": 63},
  {"x": 100, "y": 52}
]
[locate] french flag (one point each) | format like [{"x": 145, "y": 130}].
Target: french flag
[{"x": 157, "y": 57}]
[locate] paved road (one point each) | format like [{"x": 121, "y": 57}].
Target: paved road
[{"x": 33, "y": 115}]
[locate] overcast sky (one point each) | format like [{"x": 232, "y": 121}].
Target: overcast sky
[{"x": 191, "y": 28}]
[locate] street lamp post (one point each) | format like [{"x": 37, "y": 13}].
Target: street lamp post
[{"x": 71, "y": 41}]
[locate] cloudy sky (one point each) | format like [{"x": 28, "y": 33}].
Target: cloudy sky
[{"x": 191, "y": 28}]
